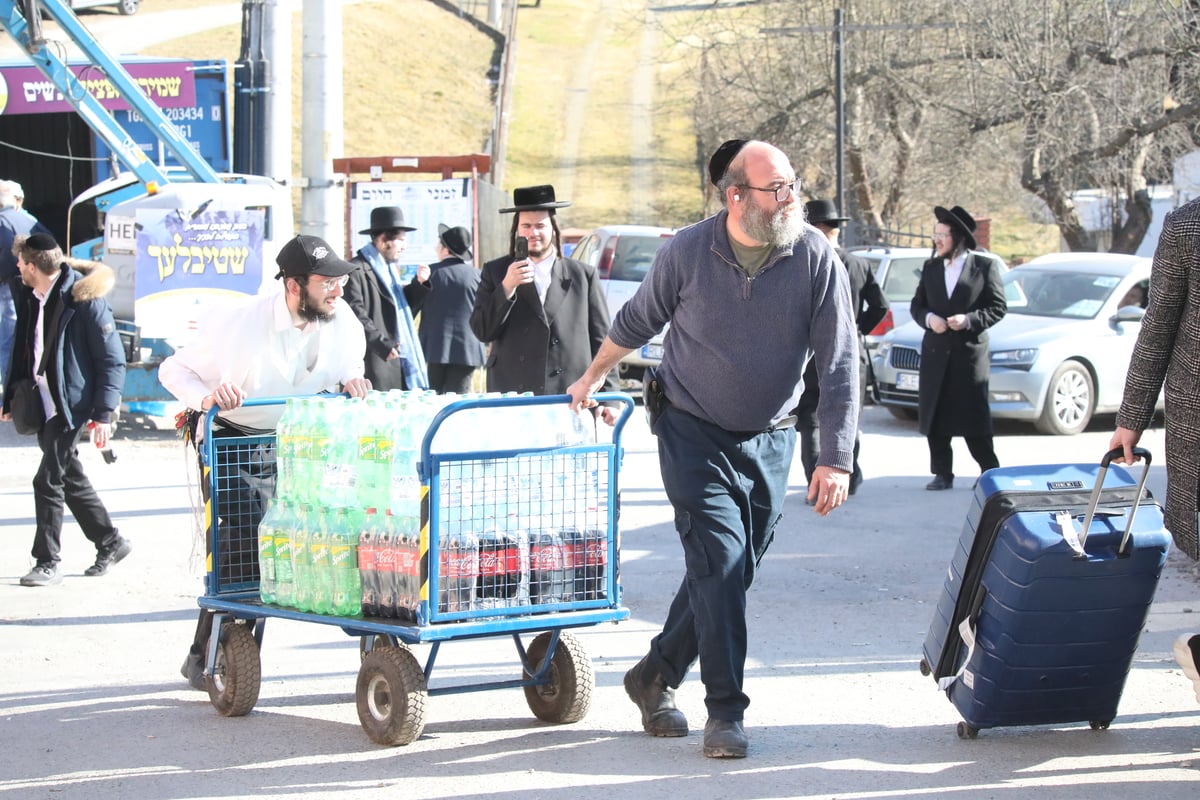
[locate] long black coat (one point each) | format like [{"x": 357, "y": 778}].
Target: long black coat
[
  {"x": 445, "y": 333},
  {"x": 536, "y": 349},
  {"x": 954, "y": 365},
  {"x": 373, "y": 305}
]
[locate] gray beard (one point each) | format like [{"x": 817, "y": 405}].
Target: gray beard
[{"x": 775, "y": 229}]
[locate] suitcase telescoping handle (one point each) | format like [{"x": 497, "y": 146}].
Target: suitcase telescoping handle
[{"x": 1142, "y": 453}]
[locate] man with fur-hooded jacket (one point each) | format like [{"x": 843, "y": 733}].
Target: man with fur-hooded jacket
[{"x": 67, "y": 342}]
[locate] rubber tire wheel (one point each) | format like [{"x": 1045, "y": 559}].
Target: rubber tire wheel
[
  {"x": 903, "y": 412},
  {"x": 391, "y": 695},
  {"x": 237, "y": 674},
  {"x": 381, "y": 640},
  {"x": 1071, "y": 384},
  {"x": 1100, "y": 725},
  {"x": 567, "y": 697},
  {"x": 128, "y": 7},
  {"x": 925, "y": 669},
  {"x": 965, "y": 731}
]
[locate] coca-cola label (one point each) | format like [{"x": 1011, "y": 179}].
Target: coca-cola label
[
  {"x": 595, "y": 552},
  {"x": 494, "y": 562},
  {"x": 460, "y": 564},
  {"x": 366, "y": 557},
  {"x": 547, "y": 558},
  {"x": 385, "y": 560}
]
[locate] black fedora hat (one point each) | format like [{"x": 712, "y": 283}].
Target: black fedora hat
[
  {"x": 960, "y": 220},
  {"x": 823, "y": 212},
  {"x": 719, "y": 163},
  {"x": 386, "y": 218},
  {"x": 535, "y": 198},
  {"x": 457, "y": 240}
]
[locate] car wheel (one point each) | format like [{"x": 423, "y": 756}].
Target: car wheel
[
  {"x": 128, "y": 7},
  {"x": 1070, "y": 400}
]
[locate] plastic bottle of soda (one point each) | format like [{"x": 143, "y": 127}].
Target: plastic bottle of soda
[
  {"x": 551, "y": 568},
  {"x": 385, "y": 565},
  {"x": 343, "y": 560},
  {"x": 301, "y": 434},
  {"x": 458, "y": 560},
  {"x": 302, "y": 559},
  {"x": 266, "y": 553},
  {"x": 368, "y": 576},
  {"x": 285, "y": 451},
  {"x": 322, "y": 569},
  {"x": 595, "y": 564},
  {"x": 285, "y": 587}
]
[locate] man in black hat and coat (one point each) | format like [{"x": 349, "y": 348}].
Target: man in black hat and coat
[
  {"x": 870, "y": 307},
  {"x": 452, "y": 350},
  {"x": 960, "y": 295},
  {"x": 386, "y": 308},
  {"x": 544, "y": 315}
]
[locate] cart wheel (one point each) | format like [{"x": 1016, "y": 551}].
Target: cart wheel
[
  {"x": 391, "y": 696},
  {"x": 965, "y": 731},
  {"x": 380, "y": 640},
  {"x": 237, "y": 673},
  {"x": 568, "y": 694},
  {"x": 924, "y": 667},
  {"x": 1100, "y": 725}
]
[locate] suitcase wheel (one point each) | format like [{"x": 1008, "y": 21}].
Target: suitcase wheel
[
  {"x": 965, "y": 731},
  {"x": 1100, "y": 725}
]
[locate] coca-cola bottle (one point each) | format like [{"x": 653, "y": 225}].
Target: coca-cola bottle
[
  {"x": 551, "y": 569},
  {"x": 459, "y": 565},
  {"x": 595, "y": 564},
  {"x": 385, "y": 565},
  {"x": 367, "y": 546},
  {"x": 493, "y": 588}
]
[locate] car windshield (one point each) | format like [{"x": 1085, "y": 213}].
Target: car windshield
[
  {"x": 633, "y": 256},
  {"x": 1054, "y": 293}
]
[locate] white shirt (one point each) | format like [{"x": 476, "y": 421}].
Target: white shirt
[
  {"x": 954, "y": 270},
  {"x": 541, "y": 274},
  {"x": 39, "y": 347},
  {"x": 255, "y": 344}
]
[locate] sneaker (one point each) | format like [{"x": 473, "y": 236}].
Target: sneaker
[
  {"x": 1187, "y": 653},
  {"x": 107, "y": 556},
  {"x": 42, "y": 575}
]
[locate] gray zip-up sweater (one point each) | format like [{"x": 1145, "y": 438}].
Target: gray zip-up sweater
[{"x": 734, "y": 354}]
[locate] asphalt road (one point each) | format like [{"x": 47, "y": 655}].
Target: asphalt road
[{"x": 92, "y": 704}]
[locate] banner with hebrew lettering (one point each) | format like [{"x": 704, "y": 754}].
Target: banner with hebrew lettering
[
  {"x": 25, "y": 90},
  {"x": 424, "y": 203},
  {"x": 187, "y": 259}
]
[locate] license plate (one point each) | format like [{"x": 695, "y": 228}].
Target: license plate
[
  {"x": 652, "y": 351},
  {"x": 908, "y": 381}
]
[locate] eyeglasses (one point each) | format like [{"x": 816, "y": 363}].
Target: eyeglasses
[
  {"x": 941, "y": 237},
  {"x": 781, "y": 191},
  {"x": 329, "y": 284}
]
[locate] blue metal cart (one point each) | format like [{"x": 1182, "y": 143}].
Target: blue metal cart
[{"x": 480, "y": 489}]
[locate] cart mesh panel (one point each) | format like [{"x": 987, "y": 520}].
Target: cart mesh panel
[
  {"x": 527, "y": 531},
  {"x": 244, "y": 477}
]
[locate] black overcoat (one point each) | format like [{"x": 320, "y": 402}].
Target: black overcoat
[
  {"x": 539, "y": 349},
  {"x": 953, "y": 387},
  {"x": 373, "y": 305},
  {"x": 445, "y": 333}
]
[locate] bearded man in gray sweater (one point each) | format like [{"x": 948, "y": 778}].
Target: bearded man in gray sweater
[{"x": 749, "y": 293}]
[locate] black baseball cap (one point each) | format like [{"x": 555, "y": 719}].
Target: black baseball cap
[{"x": 310, "y": 255}]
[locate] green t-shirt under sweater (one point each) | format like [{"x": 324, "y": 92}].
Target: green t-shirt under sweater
[{"x": 750, "y": 259}]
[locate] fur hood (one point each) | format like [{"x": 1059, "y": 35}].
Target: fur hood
[{"x": 95, "y": 281}]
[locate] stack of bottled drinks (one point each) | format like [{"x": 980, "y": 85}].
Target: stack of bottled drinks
[{"x": 342, "y": 535}]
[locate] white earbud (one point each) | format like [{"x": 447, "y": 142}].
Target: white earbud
[{"x": 737, "y": 197}]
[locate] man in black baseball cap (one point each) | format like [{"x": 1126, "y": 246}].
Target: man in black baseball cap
[{"x": 303, "y": 257}]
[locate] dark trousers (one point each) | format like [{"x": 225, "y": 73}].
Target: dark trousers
[
  {"x": 727, "y": 491},
  {"x": 445, "y": 378},
  {"x": 60, "y": 480},
  {"x": 941, "y": 455}
]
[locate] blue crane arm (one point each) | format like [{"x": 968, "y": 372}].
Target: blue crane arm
[{"x": 13, "y": 19}]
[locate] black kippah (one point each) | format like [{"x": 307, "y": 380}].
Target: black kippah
[
  {"x": 41, "y": 241},
  {"x": 719, "y": 163}
]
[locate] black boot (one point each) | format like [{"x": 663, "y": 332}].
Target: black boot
[{"x": 656, "y": 700}]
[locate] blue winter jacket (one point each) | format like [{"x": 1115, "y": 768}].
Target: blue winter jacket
[{"x": 85, "y": 363}]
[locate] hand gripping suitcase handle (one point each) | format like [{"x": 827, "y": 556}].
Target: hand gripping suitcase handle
[{"x": 1094, "y": 500}]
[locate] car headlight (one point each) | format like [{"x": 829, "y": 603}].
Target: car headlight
[{"x": 1015, "y": 359}]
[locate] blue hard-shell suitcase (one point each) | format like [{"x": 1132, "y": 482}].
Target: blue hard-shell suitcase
[{"x": 1046, "y": 595}]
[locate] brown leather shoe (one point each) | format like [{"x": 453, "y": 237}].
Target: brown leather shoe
[
  {"x": 656, "y": 701},
  {"x": 725, "y": 738}
]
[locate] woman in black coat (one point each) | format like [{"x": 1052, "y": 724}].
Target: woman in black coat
[{"x": 960, "y": 295}]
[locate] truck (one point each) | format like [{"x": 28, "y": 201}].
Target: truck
[{"x": 178, "y": 239}]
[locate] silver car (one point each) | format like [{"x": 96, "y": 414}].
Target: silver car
[
  {"x": 622, "y": 255},
  {"x": 1060, "y": 354}
]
